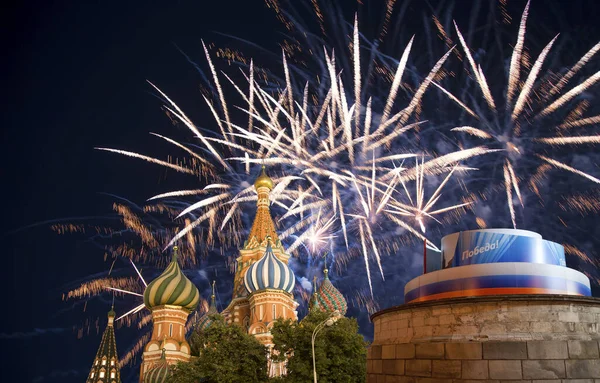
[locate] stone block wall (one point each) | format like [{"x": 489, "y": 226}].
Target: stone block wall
[{"x": 477, "y": 340}]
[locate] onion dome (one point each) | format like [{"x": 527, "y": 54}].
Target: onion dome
[
  {"x": 205, "y": 320},
  {"x": 173, "y": 288},
  {"x": 160, "y": 372},
  {"x": 263, "y": 180},
  {"x": 330, "y": 298},
  {"x": 269, "y": 273}
]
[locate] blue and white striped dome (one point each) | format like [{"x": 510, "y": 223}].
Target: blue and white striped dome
[{"x": 269, "y": 273}]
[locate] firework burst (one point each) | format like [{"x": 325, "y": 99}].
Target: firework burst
[{"x": 537, "y": 114}]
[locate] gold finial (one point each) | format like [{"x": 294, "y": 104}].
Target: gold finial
[
  {"x": 325, "y": 271},
  {"x": 213, "y": 290},
  {"x": 175, "y": 255},
  {"x": 263, "y": 180}
]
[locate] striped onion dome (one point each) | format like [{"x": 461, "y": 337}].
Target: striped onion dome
[
  {"x": 172, "y": 287},
  {"x": 205, "y": 320},
  {"x": 269, "y": 273},
  {"x": 330, "y": 298},
  {"x": 160, "y": 372}
]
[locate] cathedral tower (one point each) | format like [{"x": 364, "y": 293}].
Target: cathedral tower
[
  {"x": 255, "y": 248},
  {"x": 170, "y": 297},
  {"x": 105, "y": 368},
  {"x": 270, "y": 284}
]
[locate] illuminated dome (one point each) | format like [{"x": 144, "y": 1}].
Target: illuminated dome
[
  {"x": 160, "y": 372},
  {"x": 263, "y": 180},
  {"x": 173, "y": 288},
  {"x": 269, "y": 273},
  {"x": 329, "y": 298},
  {"x": 205, "y": 320}
]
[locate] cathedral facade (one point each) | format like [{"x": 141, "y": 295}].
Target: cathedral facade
[{"x": 262, "y": 293}]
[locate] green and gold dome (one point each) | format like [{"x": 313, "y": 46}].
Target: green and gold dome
[{"x": 173, "y": 288}]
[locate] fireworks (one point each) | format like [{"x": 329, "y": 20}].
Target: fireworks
[
  {"x": 525, "y": 118},
  {"x": 369, "y": 152},
  {"x": 343, "y": 159}
]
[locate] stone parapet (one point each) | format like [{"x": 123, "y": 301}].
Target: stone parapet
[{"x": 475, "y": 340}]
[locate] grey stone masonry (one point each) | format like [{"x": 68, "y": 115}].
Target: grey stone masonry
[{"x": 491, "y": 340}]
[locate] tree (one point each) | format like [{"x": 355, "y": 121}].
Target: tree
[
  {"x": 223, "y": 353},
  {"x": 340, "y": 351}
]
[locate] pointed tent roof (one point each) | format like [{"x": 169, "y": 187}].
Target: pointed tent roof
[
  {"x": 105, "y": 367},
  {"x": 263, "y": 225}
]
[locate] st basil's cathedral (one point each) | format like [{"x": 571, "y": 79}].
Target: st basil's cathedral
[{"x": 263, "y": 289}]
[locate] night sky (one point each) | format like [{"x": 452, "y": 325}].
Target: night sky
[{"x": 75, "y": 78}]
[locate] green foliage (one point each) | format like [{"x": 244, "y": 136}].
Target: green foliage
[
  {"x": 223, "y": 354},
  {"x": 340, "y": 351}
]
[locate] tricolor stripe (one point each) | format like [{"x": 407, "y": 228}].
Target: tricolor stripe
[{"x": 497, "y": 279}]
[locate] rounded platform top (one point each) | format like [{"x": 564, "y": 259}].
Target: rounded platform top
[{"x": 519, "y": 232}]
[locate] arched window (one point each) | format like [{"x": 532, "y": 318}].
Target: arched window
[
  {"x": 246, "y": 322},
  {"x": 104, "y": 361},
  {"x": 112, "y": 361},
  {"x": 171, "y": 329},
  {"x": 113, "y": 374},
  {"x": 102, "y": 374}
]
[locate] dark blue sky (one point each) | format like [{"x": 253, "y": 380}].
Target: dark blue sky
[{"x": 74, "y": 78}]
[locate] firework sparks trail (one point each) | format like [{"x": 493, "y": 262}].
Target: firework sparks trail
[
  {"x": 286, "y": 130},
  {"x": 527, "y": 105}
]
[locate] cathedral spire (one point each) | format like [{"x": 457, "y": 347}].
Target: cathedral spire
[
  {"x": 206, "y": 320},
  {"x": 314, "y": 300},
  {"x": 105, "y": 367},
  {"x": 263, "y": 225}
]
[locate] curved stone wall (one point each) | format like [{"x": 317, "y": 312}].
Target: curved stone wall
[{"x": 528, "y": 338}]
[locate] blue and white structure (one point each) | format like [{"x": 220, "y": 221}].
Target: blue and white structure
[{"x": 496, "y": 262}]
